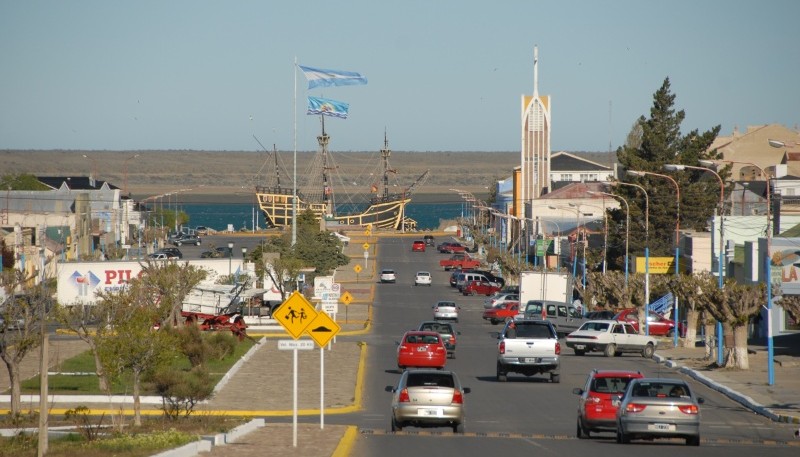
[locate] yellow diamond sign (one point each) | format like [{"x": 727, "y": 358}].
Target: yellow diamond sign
[
  {"x": 357, "y": 268},
  {"x": 365, "y": 246},
  {"x": 346, "y": 298},
  {"x": 322, "y": 329},
  {"x": 295, "y": 314}
]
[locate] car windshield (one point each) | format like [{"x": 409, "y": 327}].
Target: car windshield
[
  {"x": 531, "y": 331},
  {"x": 595, "y": 326},
  {"x": 416, "y": 379},
  {"x": 445, "y": 303},
  {"x": 436, "y": 327},
  {"x": 660, "y": 389},
  {"x": 611, "y": 384}
]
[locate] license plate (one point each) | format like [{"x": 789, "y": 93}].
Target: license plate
[
  {"x": 532, "y": 360},
  {"x": 430, "y": 412},
  {"x": 422, "y": 349},
  {"x": 661, "y": 427},
  {"x": 580, "y": 346}
]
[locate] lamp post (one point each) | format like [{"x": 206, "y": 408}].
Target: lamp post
[
  {"x": 706, "y": 163},
  {"x": 125, "y": 177},
  {"x": 677, "y": 231},
  {"x": 627, "y": 227},
  {"x": 577, "y": 233},
  {"x": 646, "y": 250},
  {"x": 230, "y": 257}
]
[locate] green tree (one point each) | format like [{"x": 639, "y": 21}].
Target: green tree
[
  {"x": 21, "y": 181},
  {"x": 167, "y": 284},
  {"x": 132, "y": 344},
  {"x": 652, "y": 143}
]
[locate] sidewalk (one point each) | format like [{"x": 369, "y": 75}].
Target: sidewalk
[{"x": 779, "y": 402}]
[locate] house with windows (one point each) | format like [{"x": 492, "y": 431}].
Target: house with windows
[{"x": 566, "y": 168}]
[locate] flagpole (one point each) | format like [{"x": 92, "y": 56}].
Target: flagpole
[{"x": 294, "y": 177}]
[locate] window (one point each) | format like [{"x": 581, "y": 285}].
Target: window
[{"x": 562, "y": 311}]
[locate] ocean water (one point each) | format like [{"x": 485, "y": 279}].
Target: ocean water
[{"x": 247, "y": 215}]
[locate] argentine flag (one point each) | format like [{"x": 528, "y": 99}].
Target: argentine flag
[
  {"x": 327, "y": 107},
  {"x": 320, "y": 77}
]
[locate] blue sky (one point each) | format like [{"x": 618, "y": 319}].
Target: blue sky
[{"x": 443, "y": 75}]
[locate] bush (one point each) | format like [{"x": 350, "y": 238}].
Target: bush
[{"x": 181, "y": 390}]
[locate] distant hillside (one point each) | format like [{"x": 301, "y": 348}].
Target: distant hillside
[{"x": 237, "y": 172}]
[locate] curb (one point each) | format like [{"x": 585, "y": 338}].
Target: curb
[{"x": 738, "y": 397}]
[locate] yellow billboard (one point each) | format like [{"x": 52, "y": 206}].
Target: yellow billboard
[{"x": 658, "y": 265}]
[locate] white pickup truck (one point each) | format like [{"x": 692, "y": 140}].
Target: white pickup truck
[
  {"x": 528, "y": 347},
  {"x": 610, "y": 337}
]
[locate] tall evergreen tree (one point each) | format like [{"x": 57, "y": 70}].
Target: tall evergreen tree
[{"x": 652, "y": 143}]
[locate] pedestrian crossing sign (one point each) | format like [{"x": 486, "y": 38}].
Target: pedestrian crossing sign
[{"x": 295, "y": 314}]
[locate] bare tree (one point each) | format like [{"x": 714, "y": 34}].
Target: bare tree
[
  {"x": 20, "y": 328},
  {"x": 87, "y": 322},
  {"x": 737, "y": 305},
  {"x": 167, "y": 284},
  {"x": 283, "y": 272},
  {"x": 688, "y": 289}
]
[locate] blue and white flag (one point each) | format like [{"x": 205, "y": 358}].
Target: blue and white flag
[
  {"x": 327, "y": 107},
  {"x": 320, "y": 77}
]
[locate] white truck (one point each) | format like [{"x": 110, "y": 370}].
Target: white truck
[
  {"x": 554, "y": 286},
  {"x": 528, "y": 347}
]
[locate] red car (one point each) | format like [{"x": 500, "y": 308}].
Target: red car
[
  {"x": 449, "y": 247},
  {"x": 421, "y": 349},
  {"x": 658, "y": 325},
  {"x": 501, "y": 312},
  {"x": 480, "y": 288},
  {"x": 418, "y": 246},
  {"x": 596, "y": 410}
]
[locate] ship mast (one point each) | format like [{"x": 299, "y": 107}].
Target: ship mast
[
  {"x": 327, "y": 192},
  {"x": 385, "y": 153}
]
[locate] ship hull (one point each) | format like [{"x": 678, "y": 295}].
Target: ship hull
[{"x": 384, "y": 213}]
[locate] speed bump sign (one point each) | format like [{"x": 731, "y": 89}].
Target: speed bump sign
[{"x": 357, "y": 268}]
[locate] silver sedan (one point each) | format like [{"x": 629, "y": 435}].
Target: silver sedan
[
  {"x": 659, "y": 408},
  {"x": 428, "y": 398}
]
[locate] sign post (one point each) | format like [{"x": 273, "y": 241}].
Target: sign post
[
  {"x": 295, "y": 314},
  {"x": 322, "y": 329}
]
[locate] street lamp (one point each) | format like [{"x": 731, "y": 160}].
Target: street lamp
[
  {"x": 230, "y": 256},
  {"x": 677, "y": 231},
  {"x": 707, "y": 163},
  {"x": 627, "y": 227},
  {"x": 646, "y": 250},
  {"x": 244, "y": 253},
  {"x": 125, "y": 177}
]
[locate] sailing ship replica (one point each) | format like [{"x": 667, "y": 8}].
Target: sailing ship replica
[{"x": 383, "y": 210}]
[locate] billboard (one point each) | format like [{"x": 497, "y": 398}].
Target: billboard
[
  {"x": 658, "y": 265},
  {"x": 784, "y": 254},
  {"x": 79, "y": 282}
]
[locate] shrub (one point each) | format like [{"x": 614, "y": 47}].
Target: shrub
[{"x": 181, "y": 390}]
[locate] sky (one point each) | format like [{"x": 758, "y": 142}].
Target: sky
[{"x": 443, "y": 75}]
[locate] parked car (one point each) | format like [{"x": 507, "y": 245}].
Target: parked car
[
  {"x": 423, "y": 278},
  {"x": 215, "y": 253},
  {"x": 596, "y": 410},
  {"x": 658, "y": 325},
  {"x": 498, "y": 298},
  {"x": 502, "y": 312},
  {"x": 602, "y": 315},
  {"x": 447, "y": 331},
  {"x": 388, "y": 275},
  {"x": 158, "y": 256},
  {"x": 659, "y": 408},
  {"x": 480, "y": 288},
  {"x": 446, "y": 310},
  {"x": 421, "y": 349},
  {"x": 449, "y": 247},
  {"x": 429, "y": 241},
  {"x": 186, "y": 238},
  {"x": 418, "y": 246},
  {"x": 201, "y": 230},
  {"x": 172, "y": 253},
  {"x": 612, "y": 338},
  {"x": 428, "y": 398}
]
